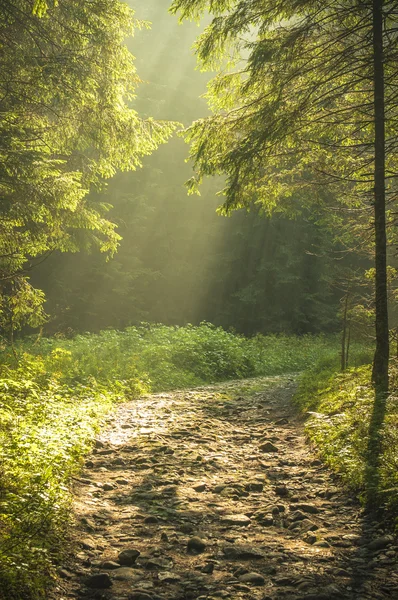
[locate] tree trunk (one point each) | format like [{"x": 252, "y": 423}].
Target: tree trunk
[
  {"x": 380, "y": 363},
  {"x": 344, "y": 335},
  {"x": 347, "y": 353}
]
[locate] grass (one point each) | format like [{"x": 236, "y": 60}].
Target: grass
[
  {"x": 56, "y": 394},
  {"x": 341, "y": 408},
  {"x": 158, "y": 357}
]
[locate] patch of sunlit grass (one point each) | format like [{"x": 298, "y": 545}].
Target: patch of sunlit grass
[{"x": 340, "y": 407}]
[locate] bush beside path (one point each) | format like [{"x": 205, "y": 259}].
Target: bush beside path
[{"x": 214, "y": 493}]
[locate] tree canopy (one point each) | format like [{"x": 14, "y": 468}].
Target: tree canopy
[{"x": 67, "y": 81}]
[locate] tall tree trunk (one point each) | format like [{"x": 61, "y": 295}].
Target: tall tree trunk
[
  {"x": 344, "y": 335},
  {"x": 347, "y": 352},
  {"x": 380, "y": 363}
]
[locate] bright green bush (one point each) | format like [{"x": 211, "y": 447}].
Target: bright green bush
[
  {"x": 170, "y": 357},
  {"x": 46, "y": 428}
]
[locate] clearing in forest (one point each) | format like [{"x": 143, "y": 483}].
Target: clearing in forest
[{"x": 214, "y": 493}]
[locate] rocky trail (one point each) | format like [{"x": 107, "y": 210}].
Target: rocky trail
[{"x": 214, "y": 493}]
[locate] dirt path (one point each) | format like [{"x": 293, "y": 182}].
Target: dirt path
[{"x": 213, "y": 493}]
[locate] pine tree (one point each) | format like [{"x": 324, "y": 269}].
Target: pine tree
[
  {"x": 298, "y": 108},
  {"x": 66, "y": 83}
]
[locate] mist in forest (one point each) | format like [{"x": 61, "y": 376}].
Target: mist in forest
[{"x": 179, "y": 262}]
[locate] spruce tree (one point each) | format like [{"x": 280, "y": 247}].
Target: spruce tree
[{"x": 299, "y": 108}]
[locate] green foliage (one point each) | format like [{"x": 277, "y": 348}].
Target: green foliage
[
  {"x": 67, "y": 81},
  {"x": 341, "y": 408},
  {"x": 166, "y": 357},
  {"x": 46, "y": 427}
]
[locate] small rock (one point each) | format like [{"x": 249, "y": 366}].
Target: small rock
[
  {"x": 240, "y": 571},
  {"x": 308, "y": 508},
  {"x": 88, "y": 544},
  {"x": 110, "y": 564},
  {"x": 322, "y": 544},
  {"x": 151, "y": 520},
  {"x": 107, "y": 487},
  {"x": 218, "y": 489},
  {"x": 128, "y": 557},
  {"x": 297, "y": 516},
  {"x": 100, "y": 581},
  {"x": 307, "y": 525},
  {"x": 158, "y": 564},
  {"x": 209, "y": 568},
  {"x": 268, "y": 447},
  {"x": 255, "y": 486},
  {"x": 241, "y": 520},
  {"x": 196, "y": 545},
  {"x": 253, "y": 578},
  {"x": 285, "y": 580},
  {"x": 266, "y": 520},
  {"x": 281, "y": 491},
  {"x": 200, "y": 488},
  {"x": 139, "y": 595},
  {"x": 122, "y": 481},
  {"x": 380, "y": 543},
  {"x": 168, "y": 577},
  {"x": 282, "y": 421},
  {"x": 242, "y": 552},
  {"x": 310, "y": 538},
  {"x": 125, "y": 574}
]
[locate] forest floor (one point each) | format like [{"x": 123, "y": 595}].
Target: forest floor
[{"x": 215, "y": 493}]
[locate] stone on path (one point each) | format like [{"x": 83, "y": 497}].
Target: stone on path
[
  {"x": 168, "y": 576},
  {"x": 100, "y": 581},
  {"x": 281, "y": 491},
  {"x": 308, "y": 508},
  {"x": 242, "y": 552},
  {"x": 253, "y": 578},
  {"x": 268, "y": 447},
  {"x": 201, "y": 487},
  {"x": 196, "y": 545},
  {"x": 128, "y": 557},
  {"x": 241, "y": 520},
  {"x": 125, "y": 574},
  {"x": 380, "y": 543},
  {"x": 110, "y": 565},
  {"x": 139, "y": 595}
]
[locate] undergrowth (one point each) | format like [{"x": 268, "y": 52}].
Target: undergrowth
[
  {"x": 55, "y": 393},
  {"x": 340, "y": 407}
]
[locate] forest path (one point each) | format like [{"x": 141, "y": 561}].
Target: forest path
[{"x": 214, "y": 493}]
